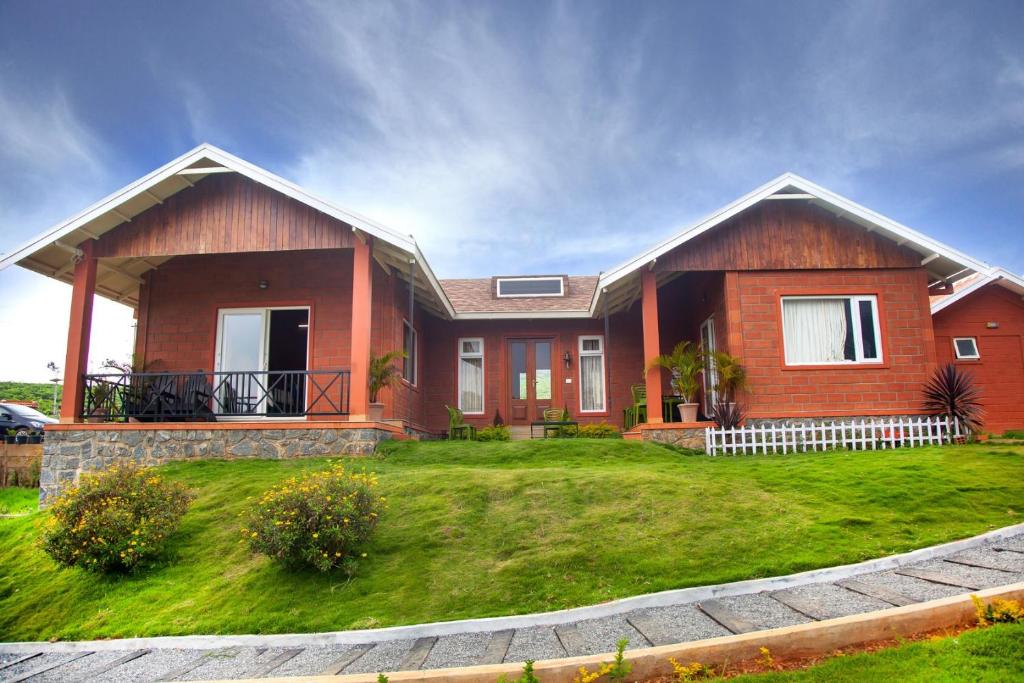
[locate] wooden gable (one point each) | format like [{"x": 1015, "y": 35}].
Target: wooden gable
[
  {"x": 225, "y": 213},
  {"x": 787, "y": 235}
]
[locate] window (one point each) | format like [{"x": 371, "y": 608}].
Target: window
[
  {"x": 409, "y": 346},
  {"x": 831, "y": 330},
  {"x": 471, "y": 376},
  {"x": 966, "y": 348},
  {"x": 592, "y": 374},
  {"x": 530, "y": 286}
]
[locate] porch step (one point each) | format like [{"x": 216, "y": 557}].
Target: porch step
[
  {"x": 634, "y": 435},
  {"x": 519, "y": 432}
]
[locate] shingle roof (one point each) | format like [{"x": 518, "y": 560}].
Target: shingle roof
[
  {"x": 958, "y": 286},
  {"x": 476, "y": 296}
]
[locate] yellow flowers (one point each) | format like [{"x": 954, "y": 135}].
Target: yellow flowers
[{"x": 689, "y": 672}]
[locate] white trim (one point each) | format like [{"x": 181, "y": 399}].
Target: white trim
[
  {"x": 483, "y": 375},
  {"x": 415, "y": 353},
  {"x": 925, "y": 245},
  {"x": 710, "y": 393},
  {"x": 956, "y": 349},
  {"x": 858, "y": 337},
  {"x": 1009, "y": 280},
  {"x": 579, "y": 371},
  {"x": 542, "y": 278},
  {"x": 521, "y": 315}
]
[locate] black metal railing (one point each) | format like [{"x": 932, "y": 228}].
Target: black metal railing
[{"x": 188, "y": 396}]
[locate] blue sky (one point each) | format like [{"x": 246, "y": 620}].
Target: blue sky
[{"x": 514, "y": 136}]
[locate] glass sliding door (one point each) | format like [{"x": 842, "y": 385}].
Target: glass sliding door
[{"x": 242, "y": 354}]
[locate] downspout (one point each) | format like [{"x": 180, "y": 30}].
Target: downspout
[
  {"x": 607, "y": 355},
  {"x": 415, "y": 348}
]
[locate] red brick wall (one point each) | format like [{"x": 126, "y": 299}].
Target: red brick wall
[
  {"x": 1000, "y": 370},
  {"x": 755, "y": 335},
  {"x": 623, "y": 360}
]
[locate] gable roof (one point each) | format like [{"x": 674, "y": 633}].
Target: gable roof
[
  {"x": 51, "y": 251},
  {"x": 964, "y": 288},
  {"x": 474, "y": 298},
  {"x": 942, "y": 261}
]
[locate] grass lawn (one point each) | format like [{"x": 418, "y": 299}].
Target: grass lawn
[
  {"x": 16, "y": 500},
  {"x": 478, "y": 530},
  {"x": 990, "y": 654}
]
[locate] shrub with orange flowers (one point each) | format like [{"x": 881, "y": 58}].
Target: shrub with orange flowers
[
  {"x": 317, "y": 520},
  {"x": 116, "y": 520}
]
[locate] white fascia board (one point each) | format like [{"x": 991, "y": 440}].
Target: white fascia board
[
  {"x": 522, "y": 315},
  {"x": 1011, "y": 281},
  {"x": 917, "y": 239},
  {"x": 429, "y": 273}
]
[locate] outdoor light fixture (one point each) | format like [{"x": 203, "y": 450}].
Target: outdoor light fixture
[
  {"x": 568, "y": 360},
  {"x": 992, "y": 325},
  {"x": 264, "y": 284}
]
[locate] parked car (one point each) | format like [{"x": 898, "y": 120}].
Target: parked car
[{"x": 23, "y": 420}]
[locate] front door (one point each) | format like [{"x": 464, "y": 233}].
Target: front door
[
  {"x": 530, "y": 379},
  {"x": 710, "y": 378}
]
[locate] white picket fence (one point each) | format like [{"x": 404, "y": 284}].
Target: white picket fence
[{"x": 855, "y": 435}]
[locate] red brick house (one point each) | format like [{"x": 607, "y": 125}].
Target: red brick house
[
  {"x": 980, "y": 327},
  {"x": 274, "y": 300}
]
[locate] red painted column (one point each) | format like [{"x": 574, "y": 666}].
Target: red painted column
[
  {"x": 79, "y": 327},
  {"x": 652, "y": 343},
  {"x": 362, "y": 295}
]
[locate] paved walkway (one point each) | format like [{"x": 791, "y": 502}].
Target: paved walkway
[{"x": 988, "y": 561}]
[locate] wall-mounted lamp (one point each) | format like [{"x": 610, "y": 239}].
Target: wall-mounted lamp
[
  {"x": 264, "y": 284},
  {"x": 568, "y": 360},
  {"x": 992, "y": 325}
]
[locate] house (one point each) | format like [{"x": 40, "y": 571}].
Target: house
[
  {"x": 259, "y": 305},
  {"x": 979, "y": 325}
]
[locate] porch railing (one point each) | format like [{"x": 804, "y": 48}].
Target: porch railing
[{"x": 185, "y": 396}]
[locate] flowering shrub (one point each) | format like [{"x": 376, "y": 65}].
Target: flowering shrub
[
  {"x": 115, "y": 520},
  {"x": 496, "y": 433},
  {"x": 601, "y": 430},
  {"x": 316, "y": 520},
  {"x": 997, "y": 611}
]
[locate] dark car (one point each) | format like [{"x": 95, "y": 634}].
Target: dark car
[{"x": 22, "y": 419}]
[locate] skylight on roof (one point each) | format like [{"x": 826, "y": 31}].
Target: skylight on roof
[{"x": 530, "y": 286}]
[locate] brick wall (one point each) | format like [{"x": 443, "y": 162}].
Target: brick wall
[
  {"x": 1000, "y": 370},
  {"x": 755, "y": 334}
]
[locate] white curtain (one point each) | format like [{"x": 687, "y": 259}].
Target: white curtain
[
  {"x": 471, "y": 385},
  {"x": 592, "y": 382},
  {"x": 814, "y": 330}
]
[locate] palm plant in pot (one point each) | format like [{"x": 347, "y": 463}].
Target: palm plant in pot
[
  {"x": 685, "y": 363},
  {"x": 731, "y": 376},
  {"x": 383, "y": 373}
]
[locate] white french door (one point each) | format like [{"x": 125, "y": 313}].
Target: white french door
[{"x": 707, "y": 341}]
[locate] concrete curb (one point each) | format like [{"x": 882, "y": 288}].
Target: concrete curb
[
  {"x": 445, "y": 628},
  {"x": 806, "y": 640}
]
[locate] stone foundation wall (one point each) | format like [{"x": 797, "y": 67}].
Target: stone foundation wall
[
  {"x": 68, "y": 453},
  {"x": 682, "y": 438}
]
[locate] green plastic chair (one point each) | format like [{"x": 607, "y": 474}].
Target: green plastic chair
[
  {"x": 457, "y": 427},
  {"x": 636, "y": 413}
]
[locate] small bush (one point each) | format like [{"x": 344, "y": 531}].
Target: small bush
[
  {"x": 1013, "y": 434},
  {"x": 496, "y": 433},
  {"x": 998, "y": 611},
  {"x": 601, "y": 430},
  {"x": 115, "y": 520},
  {"x": 317, "y": 520}
]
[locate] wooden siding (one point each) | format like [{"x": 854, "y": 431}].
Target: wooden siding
[
  {"x": 787, "y": 234},
  {"x": 225, "y": 213}
]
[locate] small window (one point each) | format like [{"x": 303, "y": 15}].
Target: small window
[
  {"x": 966, "y": 348},
  {"x": 471, "y": 376},
  {"x": 592, "y": 388},
  {"x": 831, "y": 330},
  {"x": 530, "y": 286},
  {"x": 409, "y": 346}
]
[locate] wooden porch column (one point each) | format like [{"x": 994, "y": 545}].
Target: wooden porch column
[
  {"x": 652, "y": 343},
  {"x": 362, "y": 295},
  {"x": 79, "y": 327}
]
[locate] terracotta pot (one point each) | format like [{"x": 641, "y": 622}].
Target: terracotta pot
[
  {"x": 688, "y": 412},
  {"x": 375, "y": 412}
]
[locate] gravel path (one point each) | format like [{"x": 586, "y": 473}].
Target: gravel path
[{"x": 991, "y": 564}]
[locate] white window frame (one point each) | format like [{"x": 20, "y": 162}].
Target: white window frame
[
  {"x": 483, "y": 375},
  {"x": 709, "y": 372},
  {"x": 415, "y": 352},
  {"x": 579, "y": 371},
  {"x": 956, "y": 349},
  {"x": 497, "y": 287},
  {"x": 858, "y": 342}
]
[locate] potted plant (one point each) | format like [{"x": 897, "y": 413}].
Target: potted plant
[
  {"x": 100, "y": 393},
  {"x": 685, "y": 363},
  {"x": 10, "y": 435},
  {"x": 732, "y": 376},
  {"x": 21, "y": 438},
  {"x": 383, "y": 373}
]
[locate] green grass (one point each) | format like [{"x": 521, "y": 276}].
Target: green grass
[
  {"x": 16, "y": 500},
  {"x": 991, "y": 654},
  {"x": 477, "y": 530}
]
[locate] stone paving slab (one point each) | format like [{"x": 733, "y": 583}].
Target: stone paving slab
[{"x": 941, "y": 576}]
